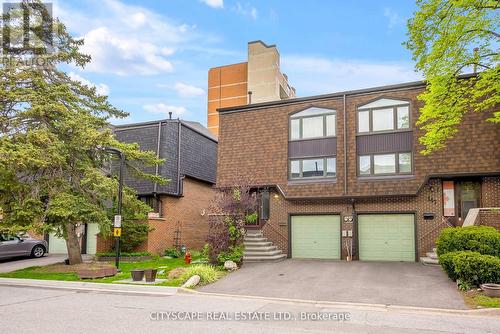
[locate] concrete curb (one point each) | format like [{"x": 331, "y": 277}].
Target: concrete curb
[
  {"x": 170, "y": 291},
  {"x": 358, "y": 306},
  {"x": 88, "y": 286}
]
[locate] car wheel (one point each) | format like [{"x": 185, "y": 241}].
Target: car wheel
[{"x": 38, "y": 251}]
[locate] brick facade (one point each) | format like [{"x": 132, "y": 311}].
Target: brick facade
[
  {"x": 188, "y": 213},
  {"x": 253, "y": 145}
]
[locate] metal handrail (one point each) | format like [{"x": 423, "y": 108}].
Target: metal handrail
[
  {"x": 443, "y": 220},
  {"x": 277, "y": 231}
]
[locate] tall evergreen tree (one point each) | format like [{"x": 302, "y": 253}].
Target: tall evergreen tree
[{"x": 53, "y": 135}]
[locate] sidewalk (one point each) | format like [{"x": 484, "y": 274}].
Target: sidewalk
[
  {"x": 89, "y": 286},
  {"x": 19, "y": 263}
]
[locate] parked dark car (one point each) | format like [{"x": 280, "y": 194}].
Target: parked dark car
[{"x": 12, "y": 246}]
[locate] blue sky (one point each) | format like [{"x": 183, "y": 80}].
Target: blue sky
[{"x": 151, "y": 57}]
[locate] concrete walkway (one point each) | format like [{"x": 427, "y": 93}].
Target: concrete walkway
[
  {"x": 8, "y": 265},
  {"x": 389, "y": 283}
]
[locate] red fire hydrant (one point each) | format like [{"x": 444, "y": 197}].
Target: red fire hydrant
[{"x": 187, "y": 258}]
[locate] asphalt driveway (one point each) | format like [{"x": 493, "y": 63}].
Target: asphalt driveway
[
  {"x": 8, "y": 265},
  {"x": 390, "y": 283}
]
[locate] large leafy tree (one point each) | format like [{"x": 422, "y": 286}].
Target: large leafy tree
[
  {"x": 53, "y": 135},
  {"x": 449, "y": 38}
]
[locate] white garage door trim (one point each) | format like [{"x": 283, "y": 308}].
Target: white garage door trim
[
  {"x": 386, "y": 236},
  {"x": 315, "y": 236}
]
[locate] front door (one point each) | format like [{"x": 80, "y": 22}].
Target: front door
[{"x": 469, "y": 197}]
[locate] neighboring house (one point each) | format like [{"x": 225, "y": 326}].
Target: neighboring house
[
  {"x": 259, "y": 79},
  {"x": 344, "y": 169},
  {"x": 179, "y": 208}
]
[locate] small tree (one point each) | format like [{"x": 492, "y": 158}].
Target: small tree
[
  {"x": 447, "y": 38},
  {"x": 231, "y": 209}
]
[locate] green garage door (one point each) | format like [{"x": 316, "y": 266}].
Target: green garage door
[
  {"x": 316, "y": 237},
  {"x": 57, "y": 245},
  {"x": 386, "y": 237}
]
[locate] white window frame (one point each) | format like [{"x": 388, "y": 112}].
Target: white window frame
[
  {"x": 372, "y": 164},
  {"x": 379, "y": 105},
  {"x": 325, "y": 168},
  {"x": 311, "y": 113}
]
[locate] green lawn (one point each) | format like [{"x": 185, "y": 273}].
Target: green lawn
[
  {"x": 155, "y": 263},
  {"x": 477, "y": 299}
]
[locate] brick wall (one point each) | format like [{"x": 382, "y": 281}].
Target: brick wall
[
  {"x": 184, "y": 213},
  {"x": 253, "y": 146},
  {"x": 490, "y": 218},
  {"x": 429, "y": 200}
]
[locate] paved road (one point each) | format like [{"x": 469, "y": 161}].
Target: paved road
[
  {"x": 35, "y": 310},
  {"x": 391, "y": 283}
]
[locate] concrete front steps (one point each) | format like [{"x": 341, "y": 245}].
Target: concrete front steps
[
  {"x": 259, "y": 249},
  {"x": 431, "y": 258}
]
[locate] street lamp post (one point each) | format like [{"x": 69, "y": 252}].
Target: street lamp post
[{"x": 120, "y": 200}]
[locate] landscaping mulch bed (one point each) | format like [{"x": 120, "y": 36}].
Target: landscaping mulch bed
[{"x": 124, "y": 258}]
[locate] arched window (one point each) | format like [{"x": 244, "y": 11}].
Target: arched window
[
  {"x": 313, "y": 123},
  {"x": 383, "y": 115}
]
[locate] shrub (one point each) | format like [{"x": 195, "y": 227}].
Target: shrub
[
  {"x": 123, "y": 254},
  {"x": 172, "y": 252},
  {"x": 471, "y": 268},
  {"x": 133, "y": 234},
  {"x": 446, "y": 262},
  {"x": 475, "y": 268},
  {"x": 482, "y": 239},
  {"x": 207, "y": 273},
  {"x": 234, "y": 254}
]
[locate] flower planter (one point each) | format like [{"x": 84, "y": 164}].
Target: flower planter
[
  {"x": 110, "y": 271},
  {"x": 150, "y": 275},
  {"x": 137, "y": 275},
  {"x": 491, "y": 289}
]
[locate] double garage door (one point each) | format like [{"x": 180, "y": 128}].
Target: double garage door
[{"x": 381, "y": 237}]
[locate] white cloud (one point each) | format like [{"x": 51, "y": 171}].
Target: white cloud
[
  {"x": 125, "y": 39},
  {"x": 187, "y": 90},
  {"x": 101, "y": 89},
  {"x": 245, "y": 10},
  {"x": 316, "y": 75},
  {"x": 214, "y": 3},
  {"x": 161, "y": 108},
  {"x": 394, "y": 18}
]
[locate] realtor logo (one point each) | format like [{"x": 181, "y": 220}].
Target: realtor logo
[{"x": 27, "y": 28}]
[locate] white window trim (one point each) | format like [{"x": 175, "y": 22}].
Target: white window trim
[{"x": 303, "y": 114}]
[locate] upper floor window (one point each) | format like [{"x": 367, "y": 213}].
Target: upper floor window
[
  {"x": 384, "y": 115},
  {"x": 385, "y": 164},
  {"x": 312, "y": 123},
  {"x": 322, "y": 167}
]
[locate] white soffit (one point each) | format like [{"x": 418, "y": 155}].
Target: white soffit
[{"x": 380, "y": 103}]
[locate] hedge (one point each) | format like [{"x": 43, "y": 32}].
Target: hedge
[
  {"x": 123, "y": 254},
  {"x": 482, "y": 239},
  {"x": 471, "y": 268}
]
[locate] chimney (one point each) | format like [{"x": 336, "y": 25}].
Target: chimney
[
  {"x": 476, "y": 50},
  {"x": 249, "y": 97},
  {"x": 169, "y": 115}
]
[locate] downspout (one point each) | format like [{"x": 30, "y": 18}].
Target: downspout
[
  {"x": 345, "y": 144},
  {"x": 157, "y": 168},
  {"x": 179, "y": 157}
]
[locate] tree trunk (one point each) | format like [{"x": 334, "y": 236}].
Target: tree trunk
[{"x": 74, "y": 250}]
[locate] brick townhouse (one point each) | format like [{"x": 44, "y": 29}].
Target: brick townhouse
[
  {"x": 179, "y": 208},
  {"x": 343, "y": 171}
]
